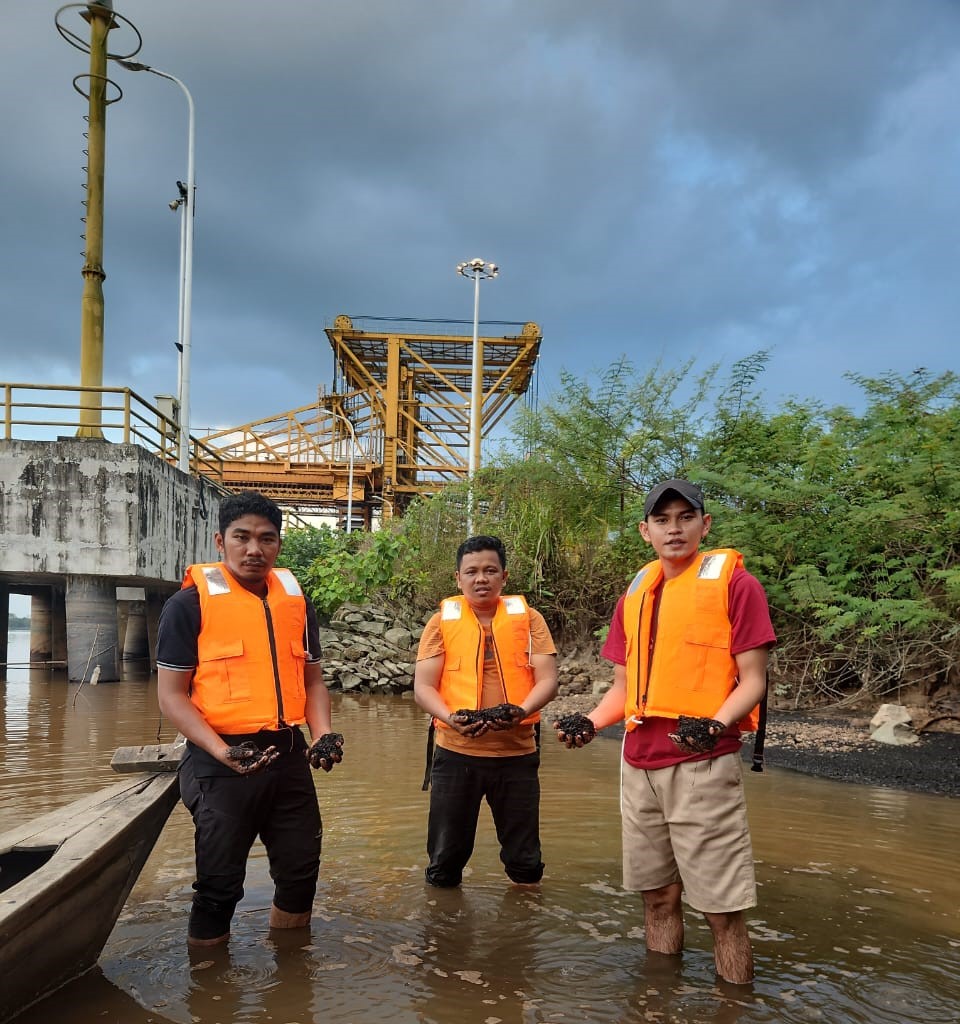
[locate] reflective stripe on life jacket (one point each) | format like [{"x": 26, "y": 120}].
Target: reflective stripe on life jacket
[
  {"x": 681, "y": 665},
  {"x": 461, "y": 681},
  {"x": 250, "y": 652}
]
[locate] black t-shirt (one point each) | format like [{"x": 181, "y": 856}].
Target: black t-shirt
[{"x": 180, "y": 628}]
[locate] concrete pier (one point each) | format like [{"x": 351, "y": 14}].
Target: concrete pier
[
  {"x": 91, "y": 628},
  {"x": 4, "y": 621},
  {"x": 41, "y": 625},
  {"x": 132, "y": 614},
  {"x": 135, "y": 644},
  {"x": 80, "y": 518}
]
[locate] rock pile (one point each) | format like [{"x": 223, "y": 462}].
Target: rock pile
[
  {"x": 578, "y": 675},
  {"x": 369, "y": 650},
  {"x": 373, "y": 649}
]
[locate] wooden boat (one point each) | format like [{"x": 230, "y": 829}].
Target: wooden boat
[{"x": 65, "y": 877}]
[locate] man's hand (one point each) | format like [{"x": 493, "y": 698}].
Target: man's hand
[
  {"x": 575, "y": 730},
  {"x": 503, "y": 716},
  {"x": 468, "y": 723},
  {"x": 696, "y": 735},
  {"x": 476, "y": 723},
  {"x": 247, "y": 758},
  {"x": 326, "y": 751}
]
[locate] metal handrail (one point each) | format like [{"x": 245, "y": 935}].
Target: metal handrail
[{"x": 139, "y": 422}]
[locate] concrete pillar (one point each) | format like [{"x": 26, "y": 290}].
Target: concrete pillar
[
  {"x": 123, "y": 613},
  {"x": 132, "y": 624},
  {"x": 135, "y": 644},
  {"x": 4, "y": 626},
  {"x": 58, "y": 617},
  {"x": 41, "y": 634},
  {"x": 153, "y": 604},
  {"x": 91, "y": 603}
]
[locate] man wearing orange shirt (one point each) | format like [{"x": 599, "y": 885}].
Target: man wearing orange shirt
[{"x": 485, "y": 651}]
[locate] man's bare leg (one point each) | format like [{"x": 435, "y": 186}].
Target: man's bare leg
[
  {"x": 731, "y": 947},
  {"x": 282, "y": 919},
  {"x": 663, "y": 919}
]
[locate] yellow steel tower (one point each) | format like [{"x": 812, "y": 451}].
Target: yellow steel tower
[{"x": 396, "y": 424}]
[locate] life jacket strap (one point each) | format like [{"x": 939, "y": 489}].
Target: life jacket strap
[
  {"x": 761, "y": 735},
  {"x": 429, "y": 768}
]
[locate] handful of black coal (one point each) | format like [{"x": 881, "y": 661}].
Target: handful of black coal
[
  {"x": 329, "y": 747},
  {"x": 502, "y": 714},
  {"x": 574, "y": 725},
  {"x": 244, "y": 753},
  {"x": 694, "y": 733}
]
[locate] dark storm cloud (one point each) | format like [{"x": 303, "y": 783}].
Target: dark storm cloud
[{"x": 665, "y": 179}]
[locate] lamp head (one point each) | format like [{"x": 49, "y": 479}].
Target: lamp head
[
  {"x": 478, "y": 268},
  {"x": 132, "y": 65}
]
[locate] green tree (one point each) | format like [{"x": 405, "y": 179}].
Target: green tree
[
  {"x": 335, "y": 567},
  {"x": 851, "y": 522},
  {"x": 615, "y": 439}
]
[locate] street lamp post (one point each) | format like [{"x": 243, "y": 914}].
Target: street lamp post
[
  {"x": 180, "y": 204},
  {"x": 187, "y": 198},
  {"x": 479, "y": 270}
]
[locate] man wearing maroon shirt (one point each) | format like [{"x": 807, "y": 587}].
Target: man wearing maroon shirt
[{"x": 689, "y": 642}]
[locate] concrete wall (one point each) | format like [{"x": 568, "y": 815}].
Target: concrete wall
[
  {"x": 80, "y": 521},
  {"x": 82, "y": 507}
]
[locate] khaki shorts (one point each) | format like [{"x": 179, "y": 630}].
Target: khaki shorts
[{"x": 688, "y": 823}]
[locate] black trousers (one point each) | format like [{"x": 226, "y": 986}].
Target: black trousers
[
  {"x": 278, "y": 804},
  {"x": 458, "y": 785}
]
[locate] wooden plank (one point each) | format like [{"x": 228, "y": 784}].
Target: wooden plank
[{"x": 154, "y": 757}]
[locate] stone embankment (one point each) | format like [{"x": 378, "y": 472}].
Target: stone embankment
[
  {"x": 369, "y": 650},
  {"x": 374, "y": 650}
]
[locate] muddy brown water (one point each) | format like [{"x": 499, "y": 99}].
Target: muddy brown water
[{"x": 859, "y": 916}]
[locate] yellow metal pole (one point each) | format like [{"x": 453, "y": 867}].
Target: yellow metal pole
[
  {"x": 391, "y": 426},
  {"x": 100, "y": 17}
]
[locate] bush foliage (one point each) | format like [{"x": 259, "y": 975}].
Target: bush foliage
[{"x": 850, "y": 519}]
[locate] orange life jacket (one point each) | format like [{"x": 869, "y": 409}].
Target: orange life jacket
[
  {"x": 686, "y": 667},
  {"x": 461, "y": 681},
  {"x": 251, "y": 651}
]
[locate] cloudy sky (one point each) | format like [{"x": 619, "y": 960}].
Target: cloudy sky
[{"x": 669, "y": 179}]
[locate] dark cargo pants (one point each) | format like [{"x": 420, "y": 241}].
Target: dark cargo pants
[
  {"x": 458, "y": 785},
  {"x": 278, "y": 804}
]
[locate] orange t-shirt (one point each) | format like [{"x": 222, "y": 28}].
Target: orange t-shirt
[{"x": 495, "y": 743}]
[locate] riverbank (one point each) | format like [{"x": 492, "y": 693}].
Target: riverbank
[{"x": 835, "y": 747}]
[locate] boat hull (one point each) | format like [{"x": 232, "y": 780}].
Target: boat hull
[{"x": 56, "y": 918}]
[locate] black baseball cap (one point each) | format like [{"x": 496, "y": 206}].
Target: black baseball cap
[{"x": 682, "y": 488}]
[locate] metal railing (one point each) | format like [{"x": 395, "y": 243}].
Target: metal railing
[{"x": 51, "y": 412}]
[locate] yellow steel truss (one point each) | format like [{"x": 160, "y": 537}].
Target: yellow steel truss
[{"x": 407, "y": 397}]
